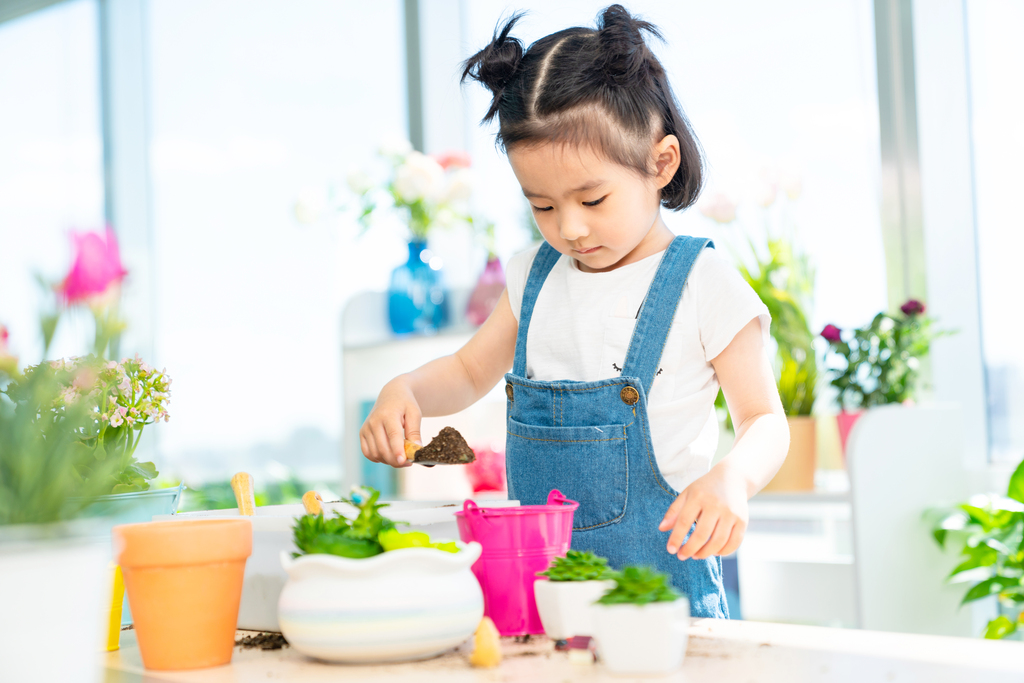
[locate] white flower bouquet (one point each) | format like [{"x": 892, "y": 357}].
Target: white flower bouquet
[{"x": 431, "y": 190}]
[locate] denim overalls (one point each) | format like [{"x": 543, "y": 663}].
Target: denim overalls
[{"x": 591, "y": 440}]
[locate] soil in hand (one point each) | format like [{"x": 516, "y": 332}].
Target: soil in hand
[{"x": 447, "y": 448}]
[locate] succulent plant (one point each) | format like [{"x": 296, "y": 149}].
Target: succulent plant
[
  {"x": 639, "y": 586},
  {"x": 578, "y": 566}
]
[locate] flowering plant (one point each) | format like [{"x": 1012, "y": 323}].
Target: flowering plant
[
  {"x": 98, "y": 407},
  {"x": 39, "y": 482},
  {"x": 880, "y": 362},
  {"x": 115, "y": 401},
  {"x": 430, "y": 190}
]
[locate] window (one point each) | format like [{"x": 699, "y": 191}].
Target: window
[
  {"x": 249, "y": 104},
  {"x": 996, "y": 62},
  {"x": 51, "y": 162}
]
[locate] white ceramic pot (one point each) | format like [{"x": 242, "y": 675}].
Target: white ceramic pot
[
  {"x": 567, "y": 607},
  {"x": 642, "y": 639},
  {"x": 52, "y": 591},
  {"x": 401, "y": 605}
]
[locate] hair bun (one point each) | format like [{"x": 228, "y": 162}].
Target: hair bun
[
  {"x": 627, "y": 58},
  {"x": 496, "y": 64}
]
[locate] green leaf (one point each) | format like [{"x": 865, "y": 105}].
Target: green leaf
[
  {"x": 985, "y": 588},
  {"x": 981, "y": 556},
  {"x": 146, "y": 470},
  {"x": 1000, "y": 627},
  {"x": 578, "y": 566},
  {"x": 1016, "y": 488},
  {"x": 639, "y": 586}
]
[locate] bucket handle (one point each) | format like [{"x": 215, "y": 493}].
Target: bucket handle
[{"x": 556, "y": 497}]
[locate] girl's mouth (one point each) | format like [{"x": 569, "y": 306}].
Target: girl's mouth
[{"x": 591, "y": 250}]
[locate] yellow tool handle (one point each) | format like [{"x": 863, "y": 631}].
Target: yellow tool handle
[
  {"x": 410, "y": 450},
  {"x": 245, "y": 495},
  {"x": 313, "y": 503}
]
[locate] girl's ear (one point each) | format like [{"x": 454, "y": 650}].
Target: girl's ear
[{"x": 666, "y": 160}]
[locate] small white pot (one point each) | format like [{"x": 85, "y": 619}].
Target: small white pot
[
  {"x": 567, "y": 607},
  {"x": 402, "y": 605},
  {"x": 642, "y": 639},
  {"x": 52, "y": 593}
]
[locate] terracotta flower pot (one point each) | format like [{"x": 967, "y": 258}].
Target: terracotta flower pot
[
  {"x": 184, "y": 584},
  {"x": 797, "y": 471}
]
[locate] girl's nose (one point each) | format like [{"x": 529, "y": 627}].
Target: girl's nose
[{"x": 572, "y": 228}]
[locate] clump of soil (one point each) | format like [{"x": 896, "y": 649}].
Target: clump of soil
[
  {"x": 447, "y": 448},
  {"x": 263, "y": 641}
]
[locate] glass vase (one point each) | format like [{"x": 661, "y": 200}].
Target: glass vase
[
  {"x": 417, "y": 301},
  {"x": 488, "y": 290}
]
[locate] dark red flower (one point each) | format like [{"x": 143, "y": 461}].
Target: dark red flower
[
  {"x": 832, "y": 334},
  {"x": 912, "y": 307}
]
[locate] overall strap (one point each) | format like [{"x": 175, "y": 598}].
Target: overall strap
[
  {"x": 659, "y": 308},
  {"x": 542, "y": 265}
]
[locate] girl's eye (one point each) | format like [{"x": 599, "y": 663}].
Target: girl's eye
[
  {"x": 541, "y": 208},
  {"x": 595, "y": 202}
]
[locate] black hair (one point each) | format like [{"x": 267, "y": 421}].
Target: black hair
[{"x": 602, "y": 87}]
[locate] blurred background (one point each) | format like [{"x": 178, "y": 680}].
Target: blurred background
[{"x": 235, "y": 148}]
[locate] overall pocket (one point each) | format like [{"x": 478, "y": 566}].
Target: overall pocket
[{"x": 587, "y": 464}]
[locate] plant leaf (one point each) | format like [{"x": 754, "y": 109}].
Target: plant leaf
[
  {"x": 1000, "y": 627},
  {"x": 1016, "y": 488}
]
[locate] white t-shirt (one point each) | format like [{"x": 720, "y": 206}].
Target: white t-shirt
[{"x": 582, "y": 324}]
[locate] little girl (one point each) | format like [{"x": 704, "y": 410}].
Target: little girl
[{"x": 618, "y": 333}]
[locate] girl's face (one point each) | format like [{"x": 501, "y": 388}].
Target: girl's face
[{"x": 600, "y": 213}]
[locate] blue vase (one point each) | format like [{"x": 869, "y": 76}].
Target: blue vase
[{"x": 417, "y": 301}]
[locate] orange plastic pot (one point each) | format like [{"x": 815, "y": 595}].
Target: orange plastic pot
[{"x": 184, "y": 584}]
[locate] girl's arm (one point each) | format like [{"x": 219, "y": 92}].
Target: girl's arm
[
  {"x": 441, "y": 387},
  {"x": 717, "y": 502}
]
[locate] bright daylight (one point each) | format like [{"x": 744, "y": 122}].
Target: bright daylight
[{"x": 465, "y": 341}]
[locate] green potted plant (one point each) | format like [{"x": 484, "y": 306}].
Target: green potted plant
[
  {"x": 52, "y": 562},
  {"x": 565, "y": 601},
  {"x": 360, "y": 590},
  {"x": 784, "y": 281},
  {"x": 129, "y": 394},
  {"x": 989, "y": 530},
  {"x": 879, "y": 363},
  {"x": 641, "y": 623}
]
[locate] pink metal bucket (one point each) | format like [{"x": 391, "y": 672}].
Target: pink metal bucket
[{"x": 517, "y": 543}]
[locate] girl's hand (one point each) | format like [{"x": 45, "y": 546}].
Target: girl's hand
[
  {"x": 395, "y": 417},
  {"x": 718, "y": 503}
]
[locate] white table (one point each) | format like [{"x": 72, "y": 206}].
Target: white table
[{"x": 718, "y": 652}]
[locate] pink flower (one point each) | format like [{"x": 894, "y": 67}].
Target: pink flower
[
  {"x": 912, "y": 307},
  {"x": 487, "y": 472},
  {"x": 96, "y": 268},
  {"x": 832, "y": 334},
  {"x": 453, "y": 158},
  {"x": 719, "y": 208}
]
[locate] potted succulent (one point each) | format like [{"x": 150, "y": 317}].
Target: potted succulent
[
  {"x": 51, "y": 560},
  {"x": 989, "y": 529},
  {"x": 364, "y": 591},
  {"x": 878, "y": 364},
  {"x": 566, "y": 600},
  {"x": 641, "y": 624}
]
